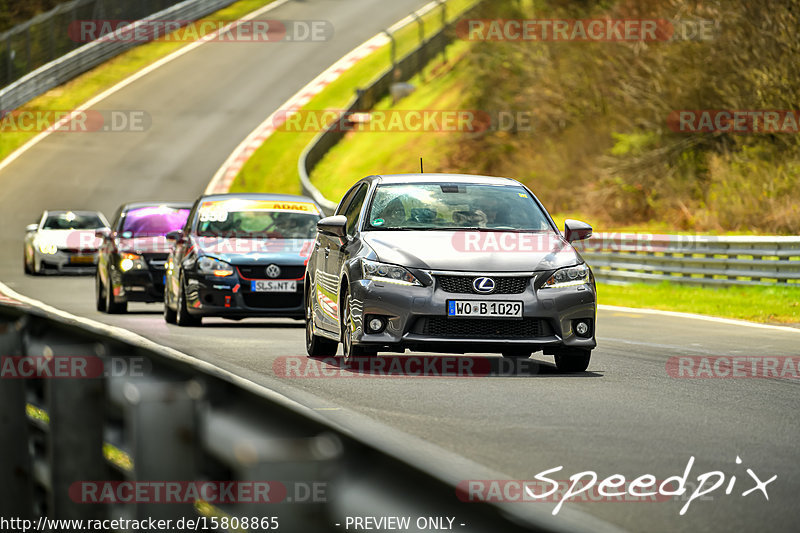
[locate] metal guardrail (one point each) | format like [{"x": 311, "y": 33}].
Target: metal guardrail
[
  {"x": 78, "y": 60},
  {"x": 693, "y": 259},
  {"x": 179, "y": 419},
  {"x": 366, "y": 98}
]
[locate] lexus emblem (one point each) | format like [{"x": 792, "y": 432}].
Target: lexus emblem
[
  {"x": 484, "y": 285},
  {"x": 273, "y": 271}
]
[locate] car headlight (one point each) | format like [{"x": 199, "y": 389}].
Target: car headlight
[
  {"x": 48, "y": 248},
  {"x": 387, "y": 273},
  {"x": 131, "y": 262},
  {"x": 568, "y": 277},
  {"x": 209, "y": 265}
]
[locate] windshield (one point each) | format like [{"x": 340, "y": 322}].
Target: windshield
[
  {"x": 70, "y": 220},
  {"x": 455, "y": 206},
  {"x": 258, "y": 219},
  {"x": 153, "y": 221}
]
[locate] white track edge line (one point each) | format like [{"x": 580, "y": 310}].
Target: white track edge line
[{"x": 694, "y": 316}]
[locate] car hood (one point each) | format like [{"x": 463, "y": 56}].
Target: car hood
[
  {"x": 256, "y": 251},
  {"x": 69, "y": 238},
  {"x": 473, "y": 251}
]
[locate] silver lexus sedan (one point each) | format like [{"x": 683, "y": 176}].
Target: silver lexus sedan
[{"x": 448, "y": 263}]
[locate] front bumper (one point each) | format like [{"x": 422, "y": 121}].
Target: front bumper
[
  {"x": 233, "y": 297},
  {"x": 142, "y": 285},
  {"x": 416, "y": 318},
  {"x": 67, "y": 262}
]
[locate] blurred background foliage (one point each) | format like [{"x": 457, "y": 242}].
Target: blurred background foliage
[
  {"x": 12, "y": 12},
  {"x": 601, "y": 146}
]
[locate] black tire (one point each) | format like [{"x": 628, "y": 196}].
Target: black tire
[
  {"x": 349, "y": 350},
  {"x": 182, "y": 316},
  {"x": 170, "y": 316},
  {"x": 573, "y": 360},
  {"x": 99, "y": 295},
  {"x": 113, "y": 307},
  {"x": 316, "y": 346},
  {"x": 517, "y": 353}
]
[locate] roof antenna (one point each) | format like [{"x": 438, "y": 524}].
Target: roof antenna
[{"x": 421, "y": 171}]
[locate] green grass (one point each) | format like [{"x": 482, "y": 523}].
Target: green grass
[
  {"x": 360, "y": 154},
  {"x": 757, "y": 304},
  {"x": 93, "y": 82},
  {"x": 273, "y": 167}
]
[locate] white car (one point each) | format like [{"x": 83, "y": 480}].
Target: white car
[{"x": 63, "y": 241}]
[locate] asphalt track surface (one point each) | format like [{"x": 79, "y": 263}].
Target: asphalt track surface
[{"x": 626, "y": 415}]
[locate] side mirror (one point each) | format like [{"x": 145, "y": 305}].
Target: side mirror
[
  {"x": 102, "y": 233},
  {"x": 174, "y": 236},
  {"x": 31, "y": 228},
  {"x": 575, "y": 230},
  {"x": 335, "y": 225}
]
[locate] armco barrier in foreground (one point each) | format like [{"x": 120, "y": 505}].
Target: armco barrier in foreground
[
  {"x": 693, "y": 259},
  {"x": 86, "y": 446},
  {"x": 90, "y": 55}
]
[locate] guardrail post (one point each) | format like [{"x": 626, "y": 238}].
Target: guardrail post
[
  {"x": 443, "y": 4},
  {"x": 75, "y": 429},
  {"x": 288, "y": 457},
  {"x": 162, "y": 435},
  {"x": 393, "y": 49},
  {"x": 16, "y": 479}
]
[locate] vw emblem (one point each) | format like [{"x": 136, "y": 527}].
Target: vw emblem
[
  {"x": 484, "y": 285},
  {"x": 273, "y": 271}
]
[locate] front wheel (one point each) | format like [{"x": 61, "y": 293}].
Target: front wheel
[
  {"x": 316, "y": 346},
  {"x": 112, "y": 306},
  {"x": 350, "y": 350},
  {"x": 182, "y": 316},
  {"x": 170, "y": 316},
  {"x": 99, "y": 295},
  {"x": 570, "y": 361},
  {"x": 25, "y": 263}
]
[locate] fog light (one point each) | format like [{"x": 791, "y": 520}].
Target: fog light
[
  {"x": 376, "y": 324},
  {"x": 126, "y": 264},
  {"x": 583, "y": 328}
]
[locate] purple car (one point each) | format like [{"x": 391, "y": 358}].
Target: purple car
[{"x": 133, "y": 254}]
